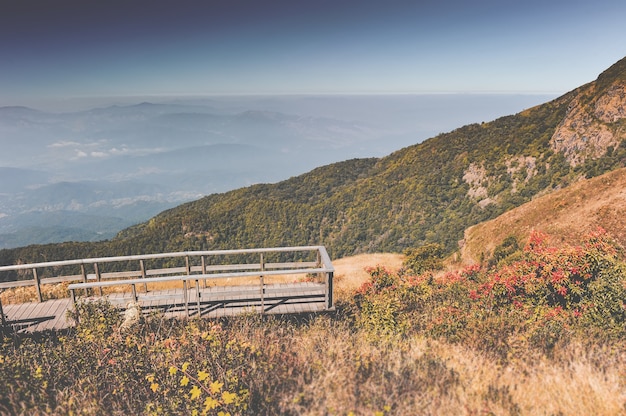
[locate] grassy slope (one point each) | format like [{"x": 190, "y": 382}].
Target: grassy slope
[
  {"x": 565, "y": 215},
  {"x": 350, "y": 272}
]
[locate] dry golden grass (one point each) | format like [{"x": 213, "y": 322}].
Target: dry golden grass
[
  {"x": 353, "y": 374},
  {"x": 566, "y": 215},
  {"x": 350, "y": 271},
  {"x": 29, "y": 293},
  {"x": 571, "y": 385}
]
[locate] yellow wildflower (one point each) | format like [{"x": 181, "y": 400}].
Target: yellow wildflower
[
  {"x": 216, "y": 387},
  {"x": 195, "y": 392},
  {"x": 228, "y": 397},
  {"x": 210, "y": 403}
]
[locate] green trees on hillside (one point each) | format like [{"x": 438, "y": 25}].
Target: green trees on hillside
[{"x": 424, "y": 258}]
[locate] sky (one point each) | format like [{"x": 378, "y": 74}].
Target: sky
[{"x": 71, "y": 49}]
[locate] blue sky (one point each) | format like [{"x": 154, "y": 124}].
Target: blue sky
[{"x": 62, "y": 49}]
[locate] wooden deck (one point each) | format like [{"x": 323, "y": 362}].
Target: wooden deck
[
  {"x": 38, "y": 316},
  {"x": 228, "y": 273},
  {"x": 213, "y": 302}
]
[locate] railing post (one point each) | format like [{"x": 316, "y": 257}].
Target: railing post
[
  {"x": 82, "y": 271},
  {"x": 96, "y": 270},
  {"x": 185, "y": 287},
  {"x": 37, "y": 285},
  {"x": 262, "y": 266},
  {"x": 143, "y": 274},
  {"x": 329, "y": 290},
  {"x": 198, "y": 295},
  {"x": 318, "y": 263},
  {"x": 74, "y": 303},
  {"x": 186, "y": 296},
  {"x": 204, "y": 269},
  {"x": 3, "y": 318},
  {"x": 197, "y": 282}
]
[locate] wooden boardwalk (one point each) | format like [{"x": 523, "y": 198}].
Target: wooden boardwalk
[
  {"x": 213, "y": 302},
  {"x": 308, "y": 267}
]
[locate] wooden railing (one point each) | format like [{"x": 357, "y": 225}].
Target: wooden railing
[{"x": 198, "y": 266}]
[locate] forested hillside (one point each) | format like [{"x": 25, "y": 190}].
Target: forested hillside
[{"x": 429, "y": 192}]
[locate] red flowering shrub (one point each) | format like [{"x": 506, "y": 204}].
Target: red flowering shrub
[
  {"x": 380, "y": 279},
  {"x": 565, "y": 279},
  {"x": 546, "y": 292}
]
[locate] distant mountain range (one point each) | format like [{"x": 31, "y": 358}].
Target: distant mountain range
[{"x": 122, "y": 164}]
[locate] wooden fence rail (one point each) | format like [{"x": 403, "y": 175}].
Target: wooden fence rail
[{"x": 198, "y": 266}]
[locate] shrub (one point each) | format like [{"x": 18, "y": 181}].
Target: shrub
[
  {"x": 541, "y": 294},
  {"x": 505, "y": 250},
  {"x": 424, "y": 258}
]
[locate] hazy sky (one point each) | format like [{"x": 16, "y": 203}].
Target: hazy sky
[{"x": 53, "y": 49}]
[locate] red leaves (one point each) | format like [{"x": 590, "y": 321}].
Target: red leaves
[{"x": 546, "y": 278}]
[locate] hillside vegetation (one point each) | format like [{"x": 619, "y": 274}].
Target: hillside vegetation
[{"x": 540, "y": 332}]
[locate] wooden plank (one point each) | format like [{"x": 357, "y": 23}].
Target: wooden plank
[
  {"x": 292, "y": 265},
  {"x": 321, "y": 249},
  {"x": 120, "y": 275},
  {"x": 30, "y": 317},
  {"x": 62, "y": 279},
  {"x": 57, "y": 310},
  {"x": 225, "y": 267},
  {"x": 61, "y": 314},
  {"x": 187, "y": 278},
  {"x": 166, "y": 271},
  {"x": 17, "y": 283},
  {"x": 14, "y": 311},
  {"x": 44, "y": 307},
  {"x": 30, "y": 312}
]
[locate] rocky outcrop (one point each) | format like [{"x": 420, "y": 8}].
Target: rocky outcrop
[
  {"x": 593, "y": 123},
  {"x": 132, "y": 316}
]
